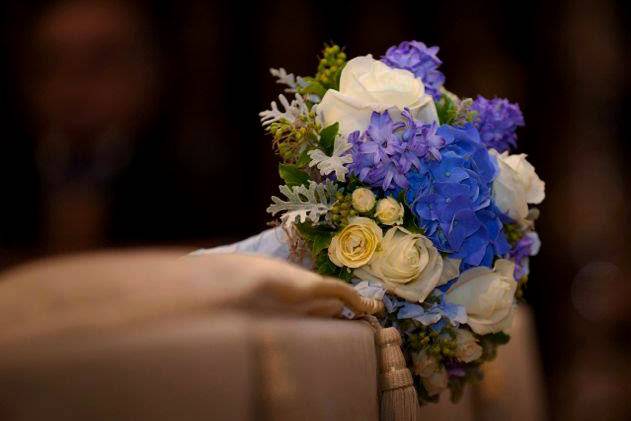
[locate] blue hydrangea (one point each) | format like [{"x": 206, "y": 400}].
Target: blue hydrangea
[
  {"x": 419, "y": 59},
  {"x": 433, "y": 313},
  {"x": 388, "y": 150},
  {"x": 451, "y": 199},
  {"x": 497, "y": 122}
]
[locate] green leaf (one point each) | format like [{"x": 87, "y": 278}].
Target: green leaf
[
  {"x": 499, "y": 338},
  {"x": 324, "y": 266},
  {"x": 447, "y": 110},
  {"x": 409, "y": 220},
  {"x": 321, "y": 241},
  {"x": 313, "y": 87},
  {"x": 338, "y": 76},
  {"x": 327, "y": 138},
  {"x": 304, "y": 159},
  {"x": 293, "y": 175},
  {"x": 306, "y": 230},
  {"x": 318, "y": 236}
]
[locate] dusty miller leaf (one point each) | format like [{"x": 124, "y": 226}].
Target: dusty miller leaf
[
  {"x": 292, "y": 110},
  {"x": 337, "y": 162},
  {"x": 304, "y": 202}
]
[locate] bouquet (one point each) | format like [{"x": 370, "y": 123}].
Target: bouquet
[{"x": 410, "y": 193}]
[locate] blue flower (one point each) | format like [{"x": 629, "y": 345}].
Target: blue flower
[
  {"x": 497, "y": 121},
  {"x": 419, "y": 59},
  {"x": 387, "y": 151},
  {"x": 431, "y": 314},
  {"x": 451, "y": 199}
]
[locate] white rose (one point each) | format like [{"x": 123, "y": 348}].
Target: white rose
[
  {"x": 467, "y": 347},
  {"x": 436, "y": 382},
  {"x": 408, "y": 265},
  {"x": 516, "y": 185},
  {"x": 356, "y": 244},
  {"x": 389, "y": 211},
  {"x": 424, "y": 365},
  {"x": 363, "y": 199},
  {"x": 368, "y": 85},
  {"x": 488, "y": 295}
]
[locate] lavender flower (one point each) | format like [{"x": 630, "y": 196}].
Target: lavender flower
[
  {"x": 419, "y": 59},
  {"x": 497, "y": 121},
  {"x": 387, "y": 151}
]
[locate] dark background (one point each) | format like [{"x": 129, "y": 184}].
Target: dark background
[{"x": 133, "y": 123}]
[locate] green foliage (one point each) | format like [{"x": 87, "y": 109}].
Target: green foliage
[
  {"x": 312, "y": 87},
  {"x": 513, "y": 233},
  {"x": 521, "y": 288},
  {"x": 409, "y": 220},
  {"x": 454, "y": 111},
  {"x": 318, "y": 236},
  {"x": 439, "y": 345},
  {"x": 328, "y": 75},
  {"x": 423, "y": 396},
  {"x": 292, "y": 140},
  {"x": 330, "y": 67},
  {"x": 327, "y": 138},
  {"x": 447, "y": 110},
  {"x": 499, "y": 338},
  {"x": 353, "y": 183},
  {"x": 325, "y": 267},
  {"x": 342, "y": 209},
  {"x": 473, "y": 374},
  {"x": 490, "y": 343},
  {"x": 304, "y": 159},
  {"x": 292, "y": 175}
]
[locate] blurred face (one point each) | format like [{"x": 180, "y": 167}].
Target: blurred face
[{"x": 92, "y": 70}]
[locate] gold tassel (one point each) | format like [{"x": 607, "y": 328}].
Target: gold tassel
[{"x": 399, "y": 401}]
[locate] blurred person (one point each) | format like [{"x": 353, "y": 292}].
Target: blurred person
[
  {"x": 92, "y": 81},
  {"x": 116, "y": 156}
]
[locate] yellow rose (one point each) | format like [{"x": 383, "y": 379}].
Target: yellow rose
[
  {"x": 363, "y": 199},
  {"x": 356, "y": 244},
  {"x": 408, "y": 265},
  {"x": 389, "y": 211}
]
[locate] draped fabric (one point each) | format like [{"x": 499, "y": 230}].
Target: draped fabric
[{"x": 152, "y": 335}]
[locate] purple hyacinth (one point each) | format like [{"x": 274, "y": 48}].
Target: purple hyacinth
[
  {"x": 527, "y": 246},
  {"x": 419, "y": 59},
  {"x": 497, "y": 121},
  {"x": 388, "y": 150}
]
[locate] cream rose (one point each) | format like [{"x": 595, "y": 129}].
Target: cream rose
[
  {"x": 389, "y": 211},
  {"x": 408, "y": 265},
  {"x": 363, "y": 199},
  {"x": 467, "y": 347},
  {"x": 488, "y": 295},
  {"x": 436, "y": 382},
  {"x": 368, "y": 85},
  {"x": 356, "y": 244},
  {"x": 516, "y": 185}
]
